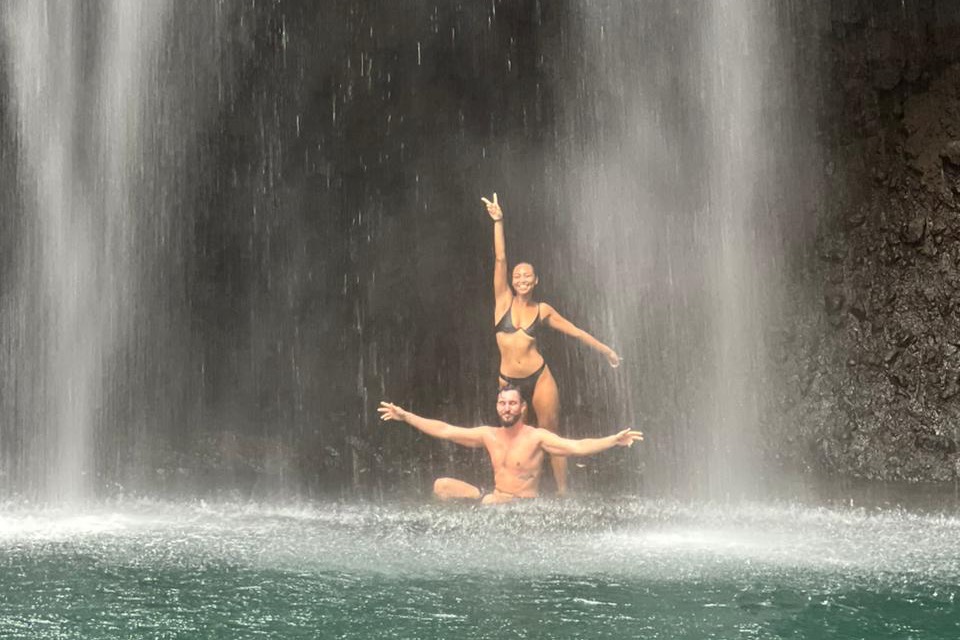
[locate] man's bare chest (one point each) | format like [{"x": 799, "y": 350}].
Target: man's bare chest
[{"x": 519, "y": 453}]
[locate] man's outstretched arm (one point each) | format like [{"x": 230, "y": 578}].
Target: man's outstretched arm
[
  {"x": 555, "y": 445},
  {"x": 472, "y": 437}
]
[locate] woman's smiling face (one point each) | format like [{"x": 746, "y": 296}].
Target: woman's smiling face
[{"x": 524, "y": 278}]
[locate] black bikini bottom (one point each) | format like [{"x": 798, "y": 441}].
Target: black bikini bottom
[{"x": 528, "y": 384}]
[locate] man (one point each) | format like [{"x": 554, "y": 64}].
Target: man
[{"x": 516, "y": 449}]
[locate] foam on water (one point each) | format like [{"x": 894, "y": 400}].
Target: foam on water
[
  {"x": 631, "y": 538},
  {"x": 598, "y": 569}
]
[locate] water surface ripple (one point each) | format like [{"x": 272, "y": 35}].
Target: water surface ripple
[{"x": 571, "y": 569}]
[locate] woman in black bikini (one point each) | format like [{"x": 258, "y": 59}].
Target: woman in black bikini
[{"x": 518, "y": 322}]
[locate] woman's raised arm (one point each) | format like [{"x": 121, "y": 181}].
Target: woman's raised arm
[{"x": 501, "y": 285}]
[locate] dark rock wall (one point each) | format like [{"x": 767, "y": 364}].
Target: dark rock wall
[
  {"x": 339, "y": 253},
  {"x": 871, "y": 360}
]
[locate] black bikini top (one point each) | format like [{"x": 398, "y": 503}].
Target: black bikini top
[{"x": 506, "y": 324}]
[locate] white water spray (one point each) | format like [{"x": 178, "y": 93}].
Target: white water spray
[
  {"x": 78, "y": 101},
  {"x": 673, "y": 154},
  {"x": 733, "y": 259}
]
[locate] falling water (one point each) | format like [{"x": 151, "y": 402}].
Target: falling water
[
  {"x": 77, "y": 104},
  {"x": 673, "y": 121},
  {"x": 231, "y": 230},
  {"x": 733, "y": 255}
]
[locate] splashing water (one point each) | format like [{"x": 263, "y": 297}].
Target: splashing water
[{"x": 600, "y": 569}]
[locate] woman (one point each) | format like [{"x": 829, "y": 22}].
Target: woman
[{"x": 519, "y": 319}]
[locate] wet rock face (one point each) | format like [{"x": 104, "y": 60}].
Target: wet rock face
[{"x": 871, "y": 375}]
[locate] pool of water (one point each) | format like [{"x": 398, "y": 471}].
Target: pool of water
[{"x": 573, "y": 569}]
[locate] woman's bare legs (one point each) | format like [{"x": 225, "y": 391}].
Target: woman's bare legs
[{"x": 546, "y": 404}]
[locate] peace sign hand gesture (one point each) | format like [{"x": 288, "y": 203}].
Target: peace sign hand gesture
[{"x": 493, "y": 208}]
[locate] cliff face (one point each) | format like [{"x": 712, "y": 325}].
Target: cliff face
[{"x": 871, "y": 359}]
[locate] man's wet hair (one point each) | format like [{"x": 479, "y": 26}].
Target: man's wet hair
[{"x": 511, "y": 387}]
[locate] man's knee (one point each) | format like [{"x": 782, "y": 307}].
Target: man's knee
[
  {"x": 453, "y": 489},
  {"x": 441, "y": 487}
]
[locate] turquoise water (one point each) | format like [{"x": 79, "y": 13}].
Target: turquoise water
[{"x": 573, "y": 569}]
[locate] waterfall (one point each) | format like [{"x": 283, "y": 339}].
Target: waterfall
[
  {"x": 79, "y": 80},
  {"x": 678, "y": 205},
  {"x": 734, "y": 261},
  {"x": 223, "y": 239}
]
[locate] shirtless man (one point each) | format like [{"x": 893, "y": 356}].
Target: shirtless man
[{"x": 516, "y": 449}]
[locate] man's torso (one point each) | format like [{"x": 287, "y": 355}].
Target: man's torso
[{"x": 517, "y": 459}]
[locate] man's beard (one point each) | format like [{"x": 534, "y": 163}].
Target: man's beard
[{"x": 509, "y": 422}]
